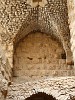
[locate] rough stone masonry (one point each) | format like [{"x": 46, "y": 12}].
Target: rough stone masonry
[{"x": 18, "y": 19}]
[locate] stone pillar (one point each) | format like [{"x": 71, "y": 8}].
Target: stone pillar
[{"x": 71, "y": 14}]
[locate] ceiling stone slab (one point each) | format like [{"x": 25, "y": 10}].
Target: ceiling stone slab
[{"x": 17, "y": 16}]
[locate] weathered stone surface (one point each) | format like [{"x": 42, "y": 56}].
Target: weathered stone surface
[
  {"x": 62, "y": 88},
  {"x": 37, "y": 55},
  {"x": 18, "y": 19},
  {"x": 71, "y": 14}
]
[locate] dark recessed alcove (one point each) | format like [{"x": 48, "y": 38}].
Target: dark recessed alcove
[
  {"x": 63, "y": 55},
  {"x": 41, "y": 96},
  {"x": 37, "y": 0}
]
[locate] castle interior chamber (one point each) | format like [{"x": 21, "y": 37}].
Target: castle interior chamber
[{"x": 37, "y": 50}]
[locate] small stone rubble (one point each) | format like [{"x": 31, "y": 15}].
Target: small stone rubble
[{"x": 62, "y": 88}]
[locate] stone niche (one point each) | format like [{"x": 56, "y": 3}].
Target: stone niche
[{"x": 37, "y": 55}]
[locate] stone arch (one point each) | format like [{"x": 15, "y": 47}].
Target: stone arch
[
  {"x": 60, "y": 35},
  {"x": 33, "y": 25},
  {"x": 35, "y": 20},
  {"x": 24, "y": 31},
  {"x": 40, "y": 96},
  {"x": 26, "y": 64}
]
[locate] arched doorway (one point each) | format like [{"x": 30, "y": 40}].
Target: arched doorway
[{"x": 41, "y": 96}]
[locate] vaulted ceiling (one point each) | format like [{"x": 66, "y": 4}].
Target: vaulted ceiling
[{"x": 20, "y": 18}]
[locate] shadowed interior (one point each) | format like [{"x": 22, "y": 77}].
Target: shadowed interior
[{"x": 41, "y": 96}]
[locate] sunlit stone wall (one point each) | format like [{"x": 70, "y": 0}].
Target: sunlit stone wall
[{"x": 37, "y": 55}]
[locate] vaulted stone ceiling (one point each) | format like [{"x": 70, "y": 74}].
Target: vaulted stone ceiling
[
  {"x": 16, "y": 16},
  {"x": 19, "y": 17}
]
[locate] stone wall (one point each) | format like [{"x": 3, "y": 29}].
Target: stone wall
[
  {"x": 37, "y": 55},
  {"x": 71, "y": 14},
  {"x": 19, "y": 18},
  {"x": 62, "y": 88},
  {"x": 6, "y": 56}
]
